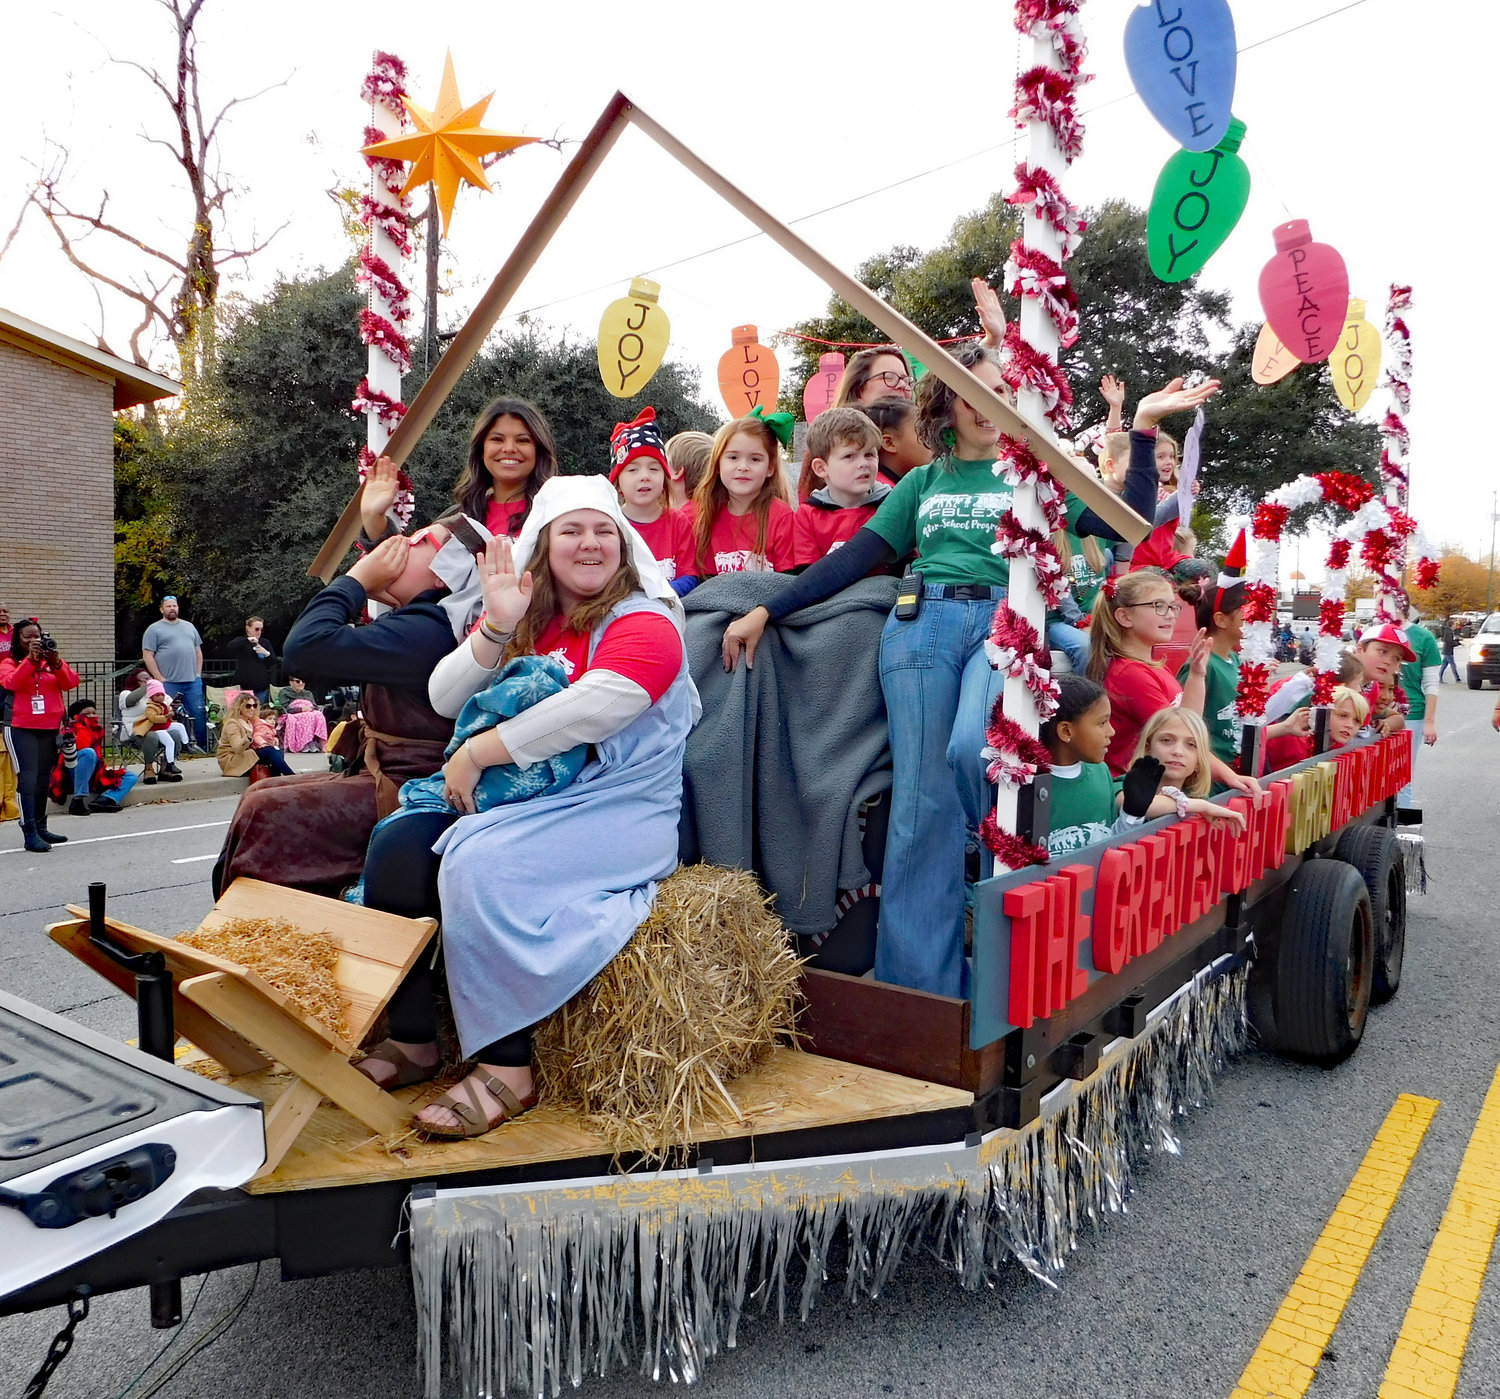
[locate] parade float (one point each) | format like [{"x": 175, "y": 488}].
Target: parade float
[{"x": 1107, "y": 991}]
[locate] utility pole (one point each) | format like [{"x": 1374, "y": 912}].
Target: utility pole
[{"x": 1489, "y": 587}]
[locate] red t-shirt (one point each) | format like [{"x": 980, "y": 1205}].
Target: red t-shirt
[
  {"x": 503, "y": 517},
  {"x": 38, "y": 692},
  {"x": 817, "y": 530},
  {"x": 1286, "y": 749},
  {"x": 731, "y": 543},
  {"x": 643, "y": 647},
  {"x": 1136, "y": 691},
  {"x": 669, "y": 537}
]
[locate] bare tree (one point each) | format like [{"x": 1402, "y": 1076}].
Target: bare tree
[{"x": 179, "y": 293}]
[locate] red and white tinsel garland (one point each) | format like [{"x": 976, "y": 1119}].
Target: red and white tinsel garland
[
  {"x": 1035, "y": 186},
  {"x": 1046, "y": 99},
  {"x": 1382, "y": 533},
  {"x": 1015, "y": 648},
  {"x": 386, "y": 215},
  {"x": 1395, "y": 376}
]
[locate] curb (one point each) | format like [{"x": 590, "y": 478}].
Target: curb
[{"x": 202, "y": 781}]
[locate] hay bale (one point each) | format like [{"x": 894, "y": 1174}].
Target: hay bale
[
  {"x": 298, "y": 962},
  {"x": 705, "y": 989}
]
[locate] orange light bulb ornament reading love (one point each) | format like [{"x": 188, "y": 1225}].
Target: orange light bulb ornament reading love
[{"x": 749, "y": 376}]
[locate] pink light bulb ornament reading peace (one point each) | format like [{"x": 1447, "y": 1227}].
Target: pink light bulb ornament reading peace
[
  {"x": 1304, "y": 291},
  {"x": 817, "y": 394}
]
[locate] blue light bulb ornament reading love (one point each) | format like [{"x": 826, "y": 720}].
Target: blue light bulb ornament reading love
[
  {"x": 1198, "y": 200},
  {"x": 1182, "y": 60}
]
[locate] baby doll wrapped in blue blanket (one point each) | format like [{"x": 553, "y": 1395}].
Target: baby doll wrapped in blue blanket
[{"x": 518, "y": 685}]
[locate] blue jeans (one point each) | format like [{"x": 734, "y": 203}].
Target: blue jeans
[
  {"x": 83, "y": 776},
  {"x": 1072, "y": 642},
  {"x": 191, "y": 693},
  {"x": 1448, "y": 660},
  {"x": 939, "y": 690}
]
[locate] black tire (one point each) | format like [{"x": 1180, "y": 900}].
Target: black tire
[
  {"x": 1476, "y": 678},
  {"x": 1376, "y": 853},
  {"x": 1324, "y": 963}
]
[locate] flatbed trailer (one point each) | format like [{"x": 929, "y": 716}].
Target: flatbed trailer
[{"x": 902, "y": 1113}]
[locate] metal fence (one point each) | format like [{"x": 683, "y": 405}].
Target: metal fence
[{"x": 102, "y": 681}]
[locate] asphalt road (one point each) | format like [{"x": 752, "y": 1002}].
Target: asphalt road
[{"x": 1170, "y": 1300}]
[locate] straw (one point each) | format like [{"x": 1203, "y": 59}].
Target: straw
[{"x": 703, "y": 992}]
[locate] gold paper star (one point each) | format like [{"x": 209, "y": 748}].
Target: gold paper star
[{"x": 448, "y": 144}]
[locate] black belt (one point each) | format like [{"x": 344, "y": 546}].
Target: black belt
[{"x": 966, "y": 592}]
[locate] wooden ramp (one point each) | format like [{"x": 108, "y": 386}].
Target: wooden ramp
[{"x": 790, "y": 1092}]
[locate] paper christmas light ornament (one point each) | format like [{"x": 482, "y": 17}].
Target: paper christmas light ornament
[
  {"x": 1181, "y": 56},
  {"x": 1356, "y": 362},
  {"x": 633, "y": 335},
  {"x": 449, "y": 144},
  {"x": 749, "y": 376},
  {"x": 1198, "y": 200},
  {"x": 818, "y": 392},
  {"x": 1271, "y": 360},
  {"x": 1304, "y": 291}
]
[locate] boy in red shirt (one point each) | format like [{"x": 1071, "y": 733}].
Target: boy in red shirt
[
  {"x": 638, "y": 471},
  {"x": 843, "y": 453}
]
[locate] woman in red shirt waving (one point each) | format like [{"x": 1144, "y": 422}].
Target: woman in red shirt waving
[{"x": 38, "y": 678}]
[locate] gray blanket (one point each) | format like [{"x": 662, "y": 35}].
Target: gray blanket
[{"x": 786, "y": 754}]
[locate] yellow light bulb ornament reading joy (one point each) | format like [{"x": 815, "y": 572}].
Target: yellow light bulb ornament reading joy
[
  {"x": 1355, "y": 361},
  {"x": 633, "y": 335}
]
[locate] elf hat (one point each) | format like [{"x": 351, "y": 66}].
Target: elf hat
[
  {"x": 1392, "y": 635},
  {"x": 1231, "y": 592},
  {"x": 641, "y": 438}
]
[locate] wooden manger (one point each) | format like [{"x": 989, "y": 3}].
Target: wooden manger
[{"x": 239, "y": 1020}]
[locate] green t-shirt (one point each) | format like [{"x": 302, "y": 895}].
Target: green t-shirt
[
  {"x": 947, "y": 513},
  {"x": 1083, "y": 807},
  {"x": 1219, "y": 689},
  {"x": 1086, "y": 580},
  {"x": 1429, "y": 653}
]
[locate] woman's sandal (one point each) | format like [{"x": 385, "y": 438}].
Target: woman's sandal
[
  {"x": 408, "y": 1071},
  {"x": 471, "y": 1117}
]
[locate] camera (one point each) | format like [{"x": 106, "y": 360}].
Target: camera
[
  {"x": 48, "y": 642},
  {"x": 67, "y": 746}
]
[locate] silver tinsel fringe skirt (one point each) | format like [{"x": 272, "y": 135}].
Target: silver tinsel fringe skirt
[{"x": 534, "y": 1286}]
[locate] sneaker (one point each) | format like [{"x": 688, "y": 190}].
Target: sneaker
[
  {"x": 105, "y": 804},
  {"x": 78, "y": 807}
]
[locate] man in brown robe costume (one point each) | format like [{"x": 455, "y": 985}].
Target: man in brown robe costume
[{"x": 310, "y": 832}]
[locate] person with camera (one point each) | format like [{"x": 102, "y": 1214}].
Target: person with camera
[
  {"x": 9, "y": 808},
  {"x": 37, "y": 677},
  {"x": 82, "y": 781}
]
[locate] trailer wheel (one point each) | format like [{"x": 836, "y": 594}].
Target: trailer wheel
[
  {"x": 1375, "y": 852},
  {"x": 1325, "y": 963}
]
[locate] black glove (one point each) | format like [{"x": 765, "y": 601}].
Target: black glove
[{"x": 1140, "y": 785}]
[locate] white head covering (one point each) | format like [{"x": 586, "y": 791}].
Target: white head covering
[
  {"x": 563, "y": 494},
  {"x": 453, "y": 565}
]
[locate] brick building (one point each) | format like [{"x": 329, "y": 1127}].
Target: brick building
[{"x": 57, "y": 495}]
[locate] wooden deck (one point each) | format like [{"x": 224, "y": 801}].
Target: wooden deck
[{"x": 790, "y": 1092}]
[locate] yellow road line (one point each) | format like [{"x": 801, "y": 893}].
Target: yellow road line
[
  {"x": 1430, "y": 1349},
  {"x": 1286, "y": 1360}
]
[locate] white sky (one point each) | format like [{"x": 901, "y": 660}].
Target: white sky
[{"x": 1357, "y": 122}]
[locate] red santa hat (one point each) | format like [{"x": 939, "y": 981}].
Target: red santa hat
[
  {"x": 1392, "y": 635},
  {"x": 640, "y": 438},
  {"x": 1231, "y": 592}
]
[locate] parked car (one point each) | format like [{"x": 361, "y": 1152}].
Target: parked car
[{"x": 1484, "y": 653}]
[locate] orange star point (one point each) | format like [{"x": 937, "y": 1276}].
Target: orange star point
[{"x": 448, "y": 146}]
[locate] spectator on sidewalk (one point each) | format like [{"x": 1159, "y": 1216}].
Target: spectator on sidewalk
[
  {"x": 173, "y": 653},
  {"x": 87, "y": 784},
  {"x": 1450, "y": 645},
  {"x": 254, "y": 660},
  {"x": 10, "y": 809}
]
